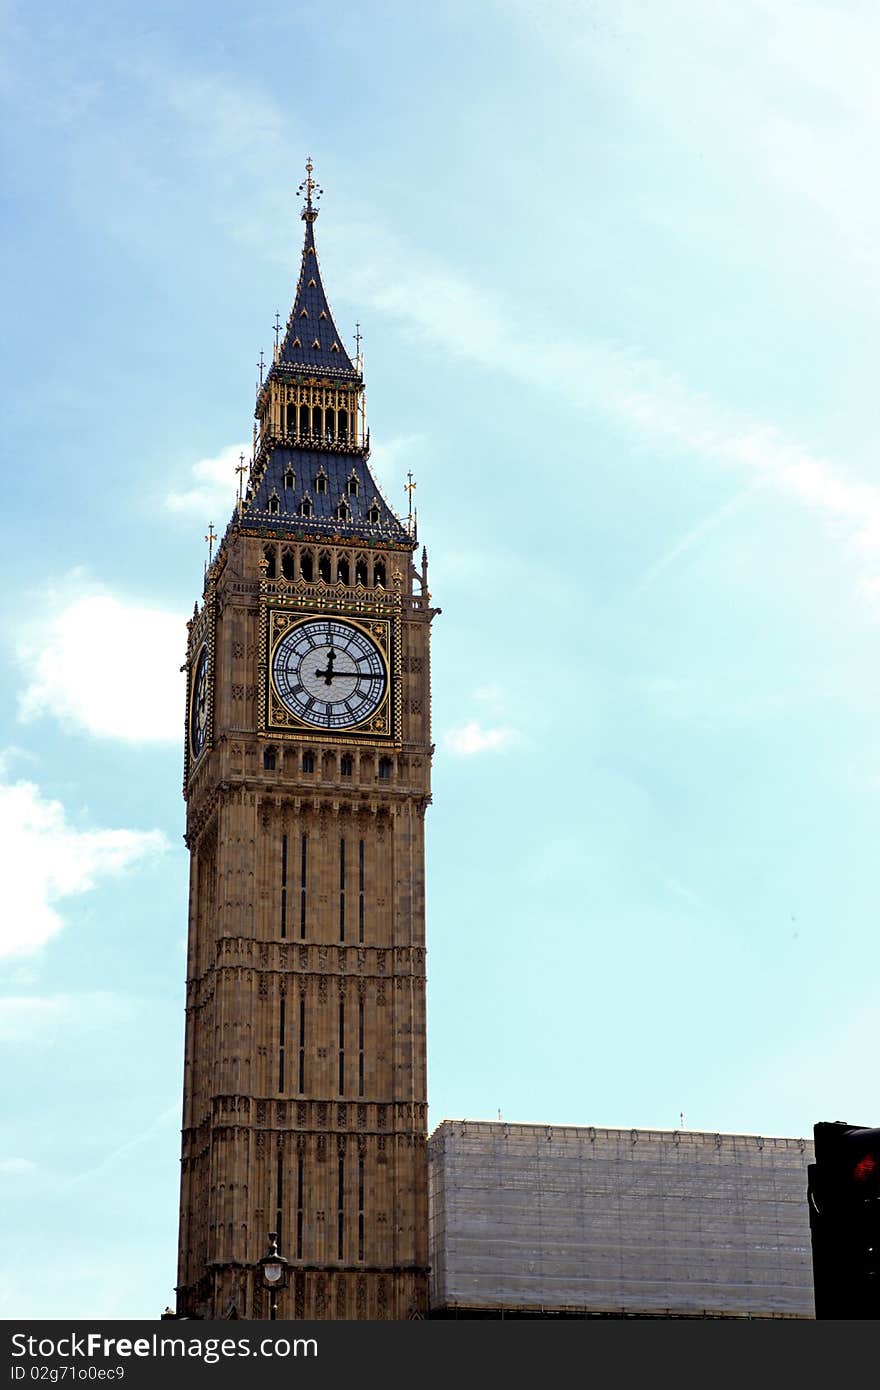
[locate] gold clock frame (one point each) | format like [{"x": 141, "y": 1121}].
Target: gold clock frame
[{"x": 383, "y": 726}]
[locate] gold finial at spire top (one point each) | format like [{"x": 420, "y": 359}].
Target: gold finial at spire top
[
  {"x": 311, "y": 190},
  {"x": 210, "y": 538}
]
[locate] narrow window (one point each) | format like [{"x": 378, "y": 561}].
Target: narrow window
[
  {"x": 360, "y": 571},
  {"x": 288, "y": 568},
  {"x": 346, "y": 766},
  {"x": 290, "y": 476},
  {"x": 342, "y": 512},
  {"x": 303, "y": 419},
  {"x": 324, "y": 567},
  {"x": 307, "y": 566},
  {"x": 316, "y": 416},
  {"x": 274, "y": 506},
  {"x": 360, "y": 1047},
  {"x": 341, "y": 890},
  {"x": 341, "y": 1047},
  {"x": 302, "y": 894},
  {"x": 352, "y": 487},
  {"x": 308, "y": 762},
  {"x": 374, "y": 515},
  {"x": 329, "y": 424},
  {"x": 283, "y": 885},
  {"x": 269, "y": 552},
  {"x": 340, "y": 1217},
  {"x": 302, "y": 1045},
  {"x": 269, "y": 759},
  {"x": 379, "y": 574},
  {"x": 281, "y": 1029},
  {"x": 321, "y": 483},
  {"x": 291, "y": 419},
  {"x": 279, "y": 1193},
  {"x": 299, "y": 1208},
  {"x": 385, "y": 769},
  {"x": 342, "y": 571},
  {"x": 361, "y": 891},
  {"x": 360, "y": 1209},
  {"x": 342, "y": 425},
  {"x": 305, "y": 507}
]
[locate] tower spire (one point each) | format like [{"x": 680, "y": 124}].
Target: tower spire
[
  {"x": 311, "y": 340},
  {"x": 311, "y": 453}
]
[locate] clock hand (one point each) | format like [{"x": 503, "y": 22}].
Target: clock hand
[{"x": 329, "y": 673}]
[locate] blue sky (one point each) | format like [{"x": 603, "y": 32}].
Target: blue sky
[{"x": 617, "y": 271}]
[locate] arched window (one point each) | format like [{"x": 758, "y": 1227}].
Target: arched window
[
  {"x": 342, "y": 512},
  {"x": 343, "y": 572},
  {"x": 307, "y": 566},
  {"x": 321, "y": 482},
  {"x": 305, "y": 507},
  {"x": 303, "y": 419},
  {"x": 269, "y": 552},
  {"x": 360, "y": 571},
  {"x": 379, "y": 573},
  {"x": 316, "y": 419},
  {"x": 287, "y": 566},
  {"x": 274, "y": 504},
  {"x": 290, "y": 479},
  {"x": 351, "y": 487},
  {"x": 346, "y": 766},
  {"x": 385, "y": 769},
  {"x": 269, "y": 759},
  {"x": 329, "y": 424},
  {"x": 374, "y": 514},
  {"x": 342, "y": 425},
  {"x": 308, "y": 762},
  {"x": 291, "y": 419},
  {"x": 324, "y": 567}
]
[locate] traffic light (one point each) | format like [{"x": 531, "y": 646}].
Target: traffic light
[{"x": 843, "y": 1191}]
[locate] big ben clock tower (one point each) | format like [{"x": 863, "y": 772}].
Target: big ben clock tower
[{"x": 307, "y": 775}]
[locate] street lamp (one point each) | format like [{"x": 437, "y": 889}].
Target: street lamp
[{"x": 274, "y": 1268}]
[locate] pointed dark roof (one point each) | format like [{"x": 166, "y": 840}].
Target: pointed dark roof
[
  {"x": 311, "y": 321},
  {"x": 291, "y": 477}
]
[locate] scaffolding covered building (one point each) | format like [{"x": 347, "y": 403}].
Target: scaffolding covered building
[{"x": 543, "y": 1221}]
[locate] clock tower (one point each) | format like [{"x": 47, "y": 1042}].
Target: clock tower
[{"x": 307, "y": 775}]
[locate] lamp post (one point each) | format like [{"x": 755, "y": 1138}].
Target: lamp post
[{"x": 274, "y": 1268}]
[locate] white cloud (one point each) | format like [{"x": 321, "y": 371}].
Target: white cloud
[
  {"x": 214, "y": 486},
  {"x": 638, "y": 394},
  {"x": 43, "y": 859},
  {"x": 106, "y": 666},
  {"x": 14, "y": 1167},
  {"x": 473, "y": 738}
]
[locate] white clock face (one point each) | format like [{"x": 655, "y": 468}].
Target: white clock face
[
  {"x": 198, "y": 714},
  {"x": 329, "y": 673}
]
